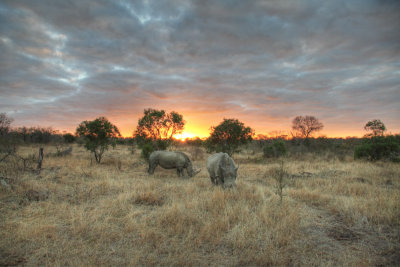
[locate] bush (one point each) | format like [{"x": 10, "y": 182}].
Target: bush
[
  {"x": 268, "y": 151},
  {"x": 69, "y": 138},
  {"x": 275, "y": 150},
  {"x": 377, "y": 148},
  {"x": 147, "y": 149}
]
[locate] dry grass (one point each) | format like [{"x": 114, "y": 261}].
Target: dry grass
[{"x": 73, "y": 213}]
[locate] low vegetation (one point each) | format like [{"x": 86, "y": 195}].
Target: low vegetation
[{"x": 334, "y": 210}]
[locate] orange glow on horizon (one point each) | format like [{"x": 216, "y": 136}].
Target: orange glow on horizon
[
  {"x": 205, "y": 134},
  {"x": 193, "y": 132},
  {"x": 199, "y": 126},
  {"x": 184, "y": 135}
]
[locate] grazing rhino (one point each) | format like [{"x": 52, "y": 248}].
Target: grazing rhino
[
  {"x": 222, "y": 169},
  {"x": 172, "y": 160}
]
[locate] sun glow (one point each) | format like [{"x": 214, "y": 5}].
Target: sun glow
[{"x": 184, "y": 135}]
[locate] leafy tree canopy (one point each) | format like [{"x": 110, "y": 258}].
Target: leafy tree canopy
[
  {"x": 228, "y": 136},
  {"x": 158, "y": 128},
  {"x": 98, "y": 135},
  {"x": 375, "y": 127}
]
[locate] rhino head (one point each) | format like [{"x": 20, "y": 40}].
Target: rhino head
[
  {"x": 191, "y": 171},
  {"x": 229, "y": 172}
]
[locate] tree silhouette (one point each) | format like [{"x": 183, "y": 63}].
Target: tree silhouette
[
  {"x": 7, "y": 143},
  {"x": 158, "y": 128},
  {"x": 306, "y": 126},
  {"x": 5, "y": 123},
  {"x": 376, "y": 127}
]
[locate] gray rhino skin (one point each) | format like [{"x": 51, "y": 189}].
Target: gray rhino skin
[
  {"x": 222, "y": 170},
  {"x": 172, "y": 160}
]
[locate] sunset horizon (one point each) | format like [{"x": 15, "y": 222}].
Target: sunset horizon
[{"x": 193, "y": 130}]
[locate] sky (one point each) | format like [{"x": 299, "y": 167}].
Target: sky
[{"x": 262, "y": 62}]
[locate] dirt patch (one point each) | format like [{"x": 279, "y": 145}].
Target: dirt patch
[
  {"x": 7, "y": 259},
  {"x": 321, "y": 174},
  {"x": 342, "y": 233},
  {"x": 33, "y": 195},
  {"x": 302, "y": 175},
  {"x": 331, "y": 173},
  {"x": 149, "y": 199},
  {"x": 362, "y": 180}
]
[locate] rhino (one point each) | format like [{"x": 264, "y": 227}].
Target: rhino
[
  {"x": 222, "y": 170},
  {"x": 172, "y": 160}
]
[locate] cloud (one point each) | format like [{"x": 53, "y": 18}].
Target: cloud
[{"x": 264, "y": 62}]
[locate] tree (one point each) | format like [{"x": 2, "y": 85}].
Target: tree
[
  {"x": 7, "y": 144},
  {"x": 5, "y": 122},
  {"x": 228, "y": 136},
  {"x": 158, "y": 127},
  {"x": 98, "y": 135},
  {"x": 306, "y": 126},
  {"x": 376, "y": 127}
]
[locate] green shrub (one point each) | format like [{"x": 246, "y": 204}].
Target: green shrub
[
  {"x": 162, "y": 144},
  {"x": 377, "y": 148},
  {"x": 147, "y": 149},
  {"x": 268, "y": 151},
  {"x": 68, "y": 138},
  {"x": 275, "y": 150}
]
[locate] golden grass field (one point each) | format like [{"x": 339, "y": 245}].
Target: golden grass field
[{"x": 333, "y": 213}]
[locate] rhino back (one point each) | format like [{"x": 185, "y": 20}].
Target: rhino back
[
  {"x": 213, "y": 164},
  {"x": 170, "y": 159}
]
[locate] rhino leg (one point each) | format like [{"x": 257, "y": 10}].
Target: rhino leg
[
  {"x": 152, "y": 167},
  {"x": 182, "y": 172},
  {"x": 217, "y": 180},
  {"x": 213, "y": 180}
]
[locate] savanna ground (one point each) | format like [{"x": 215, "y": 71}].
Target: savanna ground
[{"x": 334, "y": 212}]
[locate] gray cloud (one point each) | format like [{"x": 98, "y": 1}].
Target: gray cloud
[{"x": 263, "y": 62}]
